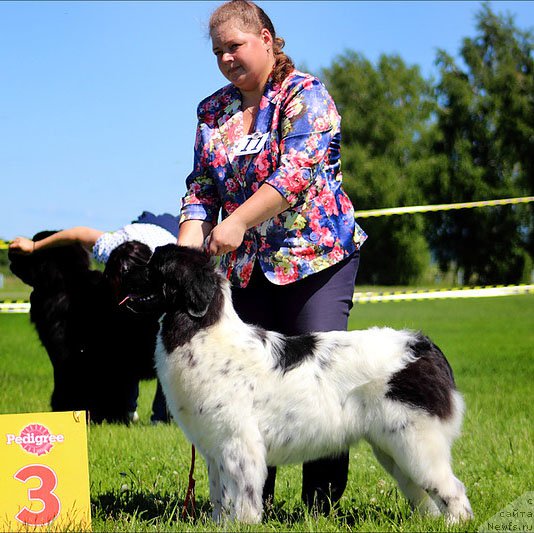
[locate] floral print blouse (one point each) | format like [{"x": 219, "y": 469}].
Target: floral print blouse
[{"x": 300, "y": 158}]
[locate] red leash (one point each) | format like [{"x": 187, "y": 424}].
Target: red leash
[{"x": 190, "y": 495}]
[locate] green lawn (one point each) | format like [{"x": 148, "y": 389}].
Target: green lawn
[{"x": 139, "y": 474}]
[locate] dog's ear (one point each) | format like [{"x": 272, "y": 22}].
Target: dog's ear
[{"x": 199, "y": 291}]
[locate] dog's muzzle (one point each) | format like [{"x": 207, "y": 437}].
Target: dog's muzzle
[{"x": 143, "y": 304}]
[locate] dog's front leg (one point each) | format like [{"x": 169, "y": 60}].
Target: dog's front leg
[
  {"x": 242, "y": 474},
  {"x": 215, "y": 489}
]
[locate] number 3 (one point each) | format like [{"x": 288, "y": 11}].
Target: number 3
[{"x": 43, "y": 493}]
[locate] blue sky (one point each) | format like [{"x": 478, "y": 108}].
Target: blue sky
[{"x": 98, "y": 99}]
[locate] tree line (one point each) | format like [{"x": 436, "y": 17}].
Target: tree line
[{"x": 467, "y": 136}]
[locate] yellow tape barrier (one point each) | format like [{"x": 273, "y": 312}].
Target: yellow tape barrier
[
  {"x": 14, "y": 306},
  {"x": 20, "y": 306},
  {"x": 439, "y": 207},
  {"x": 467, "y": 292},
  {"x": 411, "y": 209},
  {"x": 23, "y": 306}
]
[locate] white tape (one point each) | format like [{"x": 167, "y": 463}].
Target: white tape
[
  {"x": 14, "y": 307},
  {"x": 359, "y": 297},
  {"x": 477, "y": 292}
]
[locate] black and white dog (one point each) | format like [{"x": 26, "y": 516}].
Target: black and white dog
[
  {"x": 248, "y": 398},
  {"x": 98, "y": 351}
]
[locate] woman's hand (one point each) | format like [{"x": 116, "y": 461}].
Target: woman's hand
[
  {"x": 22, "y": 245},
  {"x": 226, "y": 236}
]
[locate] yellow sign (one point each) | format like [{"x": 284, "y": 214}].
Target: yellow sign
[{"x": 44, "y": 472}]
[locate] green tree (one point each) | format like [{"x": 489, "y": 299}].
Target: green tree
[
  {"x": 486, "y": 135},
  {"x": 386, "y": 111},
  {"x": 4, "y": 261}
]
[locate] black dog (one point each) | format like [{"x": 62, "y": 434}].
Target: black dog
[{"x": 97, "y": 350}]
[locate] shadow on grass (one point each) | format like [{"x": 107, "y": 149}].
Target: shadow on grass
[
  {"x": 345, "y": 516},
  {"x": 373, "y": 513},
  {"x": 166, "y": 508}
]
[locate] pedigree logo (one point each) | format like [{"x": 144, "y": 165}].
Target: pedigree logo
[{"x": 35, "y": 439}]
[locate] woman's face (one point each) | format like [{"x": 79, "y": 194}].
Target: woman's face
[{"x": 245, "y": 59}]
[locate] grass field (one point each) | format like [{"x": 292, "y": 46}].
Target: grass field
[{"x": 139, "y": 474}]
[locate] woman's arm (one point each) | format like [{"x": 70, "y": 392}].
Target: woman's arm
[
  {"x": 265, "y": 203},
  {"x": 193, "y": 233},
  {"x": 201, "y": 203},
  {"x": 79, "y": 234}
]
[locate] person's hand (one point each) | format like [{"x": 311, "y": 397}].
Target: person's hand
[
  {"x": 226, "y": 236},
  {"x": 22, "y": 245}
]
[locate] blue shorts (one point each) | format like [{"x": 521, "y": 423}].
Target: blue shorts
[{"x": 165, "y": 221}]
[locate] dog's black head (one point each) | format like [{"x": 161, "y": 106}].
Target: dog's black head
[
  {"x": 126, "y": 269},
  {"x": 44, "y": 267},
  {"x": 178, "y": 278}
]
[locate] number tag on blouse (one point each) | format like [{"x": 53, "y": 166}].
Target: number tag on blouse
[{"x": 251, "y": 144}]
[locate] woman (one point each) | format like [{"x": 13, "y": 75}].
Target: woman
[{"x": 267, "y": 155}]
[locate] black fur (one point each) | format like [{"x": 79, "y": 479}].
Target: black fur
[
  {"x": 97, "y": 350},
  {"x": 427, "y": 382},
  {"x": 184, "y": 280},
  {"x": 295, "y": 351}
]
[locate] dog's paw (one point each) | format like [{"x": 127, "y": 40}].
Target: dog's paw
[{"x": 462, "y": 513}]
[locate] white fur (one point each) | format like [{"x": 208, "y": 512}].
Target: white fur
[{"x": 242, "y": 413}]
